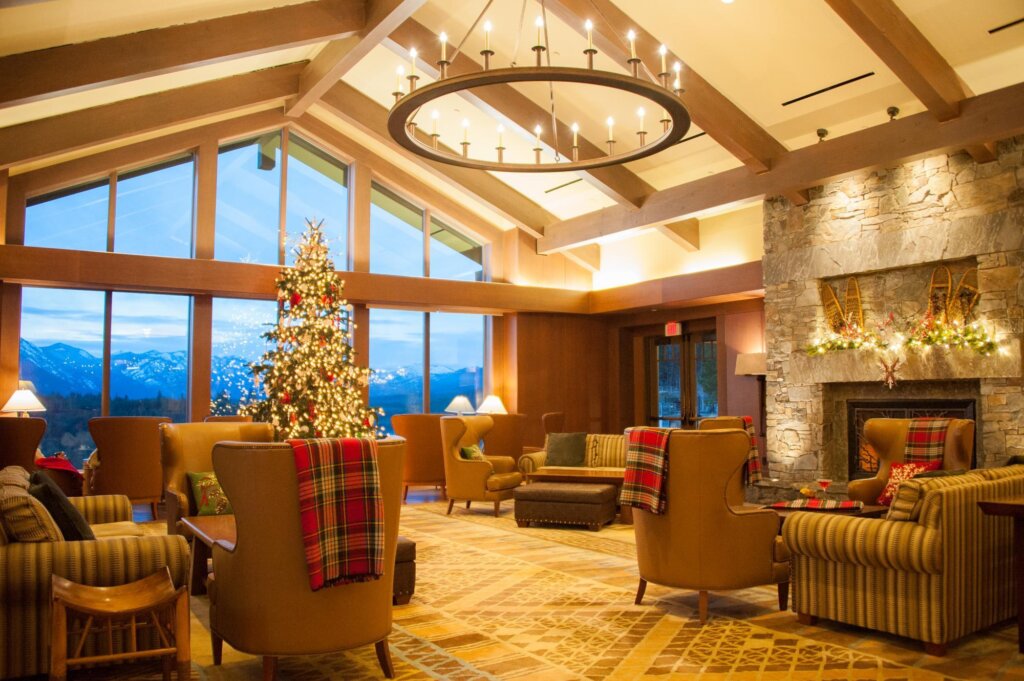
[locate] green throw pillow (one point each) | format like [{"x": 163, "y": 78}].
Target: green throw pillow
[
  {"x": 566, "y": 449},
  {"x": 208, "y": 495},
  {"x": 473, "y": 453}
]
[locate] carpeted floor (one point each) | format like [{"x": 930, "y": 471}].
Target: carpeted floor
[{"x": 495, "y": 601}]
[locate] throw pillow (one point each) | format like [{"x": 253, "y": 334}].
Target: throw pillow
[
  {"x": 566, "y": 449},
  {"x": 70, "y": 521},
  {"x": 208, "y": 495},
  {"x": 472, "y": 453},
  {"x": 25, "y": 518},
  {"x": 899, "y": 472}
]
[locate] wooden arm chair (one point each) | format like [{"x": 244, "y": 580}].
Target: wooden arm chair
[
  {"x": 424, "y": 454},
  {"x": 707, "y": 540},
  {"x": 260, "y": 599},
  {"x": 127, "y": 458},
  {"x": 188, "y": 448},
  {"x": 888, "y": 437},
  {"x": 491, "y": 479}
]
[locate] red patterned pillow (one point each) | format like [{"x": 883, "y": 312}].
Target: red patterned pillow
[{"x": 899, "y": 472}]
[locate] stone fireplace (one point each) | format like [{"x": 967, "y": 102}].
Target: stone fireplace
[{"x": 890, "y": 229}]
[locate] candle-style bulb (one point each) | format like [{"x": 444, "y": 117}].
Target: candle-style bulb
[
  {"x": 631, "y": 37},
  {"x": 465, "y": 130},
  {"x": 536, "y": 134},
  {"x": 434, "y": 115},
  {"x": 663, "y": 51},
  {"x": 611, "y": 124},
  {"x": 399, "y": 76},
  {"x": 444, "y": 45},
  {"x": 413, "y": 54},
  {"x": 575, "y": 134},
  {"x": 539, "y": 23},
  {"x": 641, "y": 113},
  {"x": 488, "y": 26},
  {"x": 589, "y": 25}
]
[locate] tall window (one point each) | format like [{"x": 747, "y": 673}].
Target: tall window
[
  {"x": 248, "y": 201},
  {"x": 453, "y": 256},
  {"x": 317, "y": 190},
  {"x": 456, "y": 358},
  {"x": 396, "y": 234},
  {"x": 149, "y": 355},
  {"x": 154, "y": 209},
  {"x": 682, "y": 378},
  {"x": 74, "y": 218},
  {"x": 396, "y": 355},
  {"x": 237, "y": 329},
  {"x": 62, "y": 354}
]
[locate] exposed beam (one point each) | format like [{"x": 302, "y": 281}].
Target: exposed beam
[
  {"x": 515, "y": 108},
  {"x": 588, "y": 257},
  {"x": 710, "y": 110},
  {"x": 123, "y": 272},
  {"x": 890, "y": 34},
  {"x": 339, "y": 56},
  {"x": 684, "y": 233},
  {"x": 40, "y": 74},
  {"x": 699, "y": 288},
  {"x": 993, "y": 115},
  {"x": 112, "y": 122},
  {"x": 353, "y": 106}
]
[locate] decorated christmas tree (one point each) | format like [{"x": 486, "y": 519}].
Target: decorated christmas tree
[{"x": 312, "y": 384}]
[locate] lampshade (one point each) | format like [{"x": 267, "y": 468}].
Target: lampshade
[
  {"x": 491, "y": 405},
  {"x": 460, "y": 405},
  {"x": 751, "y": 364},
  {"x": 23, "y": 400}
]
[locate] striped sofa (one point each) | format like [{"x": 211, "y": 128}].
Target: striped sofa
[
  {"x": 935, "y": 569},
  {"x": 26, "y": 568},
  {"x": 602, "y": 451}
]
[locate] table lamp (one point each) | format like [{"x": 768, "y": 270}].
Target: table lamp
[
  {"x": 491, "y": 405},
  {"x": 24, "y": 400},
  {"x": 459, "y": 405}
]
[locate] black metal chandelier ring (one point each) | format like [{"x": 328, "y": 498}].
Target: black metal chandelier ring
[{"x": 404, "y": 131}]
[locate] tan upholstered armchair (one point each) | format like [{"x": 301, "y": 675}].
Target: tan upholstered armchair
[
  {"x": 888, "y": 437},
  {"x": 424, "y": 454},
  {"x": 188, "y": 448},
  {"x": 127, "y": 458},
  {"x": 492, "y": 479},
  {"x": 720, "y": 423},
  {"x": 505, "y": 438},
  {"x": 706, "y": 539},
  {"x": 260, "y": 600},
  {"x": 21, "y": 438}
]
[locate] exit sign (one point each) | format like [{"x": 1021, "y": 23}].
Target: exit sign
[{"x": 674, "y": 329}]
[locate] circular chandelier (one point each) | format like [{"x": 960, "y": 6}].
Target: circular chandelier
[{"x": 673, "y": 122}]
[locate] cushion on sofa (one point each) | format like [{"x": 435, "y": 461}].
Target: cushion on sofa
[
  {"x": 25, "y": 518},
  {"x": 125, "y": 528},
  {"x": 900, "y": 473},
  {"x": 566, "y": 449},
  {"x": 606, "y": 451},
  {"x": 500, "y": 481},
  {"x": 69, "y": 519},
  {"x": 14, "y": 475}
]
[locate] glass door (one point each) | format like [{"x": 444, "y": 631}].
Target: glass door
[{"x": 682, "y": 379}]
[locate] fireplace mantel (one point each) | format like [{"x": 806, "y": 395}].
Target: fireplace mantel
[{"x": 936, "y": 364}]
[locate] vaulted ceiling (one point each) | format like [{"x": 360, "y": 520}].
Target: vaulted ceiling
[{"x": 761, "y": 77}]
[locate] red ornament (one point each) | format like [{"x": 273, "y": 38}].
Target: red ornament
[
  {"x": 327, "y": 300},
  {"x": 293, "y": 418},
  {"x": 296, "y": 299},
  {"x": 286, "y": 398}
]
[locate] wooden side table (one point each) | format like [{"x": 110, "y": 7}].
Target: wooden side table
[
  {"x": 1014, "y": 508},
  {"x": 149, "y": 602}
]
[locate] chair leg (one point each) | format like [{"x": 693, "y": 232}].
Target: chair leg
[
  {"x": 384, "y": 657},
  {"x": 640, "y": 592},
  {"x": 702, "y": 606},
  {"x": 58, "y": 642},
  {"x": 497, "y": 508},
  {"x": 217, "y": 643},
  {"x": 153, "y": 506},
  {"x": 468, "y": 502},
  {"x": 405, "y": 494},
  {"x": 269, "y": 668},
  {"x": 182, "y": 637},
  {"x": 783, "y": 596},
  {"x": 451, "y": 503}
]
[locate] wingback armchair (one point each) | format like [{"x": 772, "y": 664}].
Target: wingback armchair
[
  {"x": 707, "y": 539},
  {"x": 424, "y": 454},
  {"x": 491, "y": 479},
  {"x": 505, "y": 438},
  {"x": 260, "y": 599},
  {"x": 188, "y": 448},
  {"x": 20, "y": 438},
  {"x": 720, "y": 423},
  {"x": 888, "y": 437},
  {"x": 127, "y": 458}
]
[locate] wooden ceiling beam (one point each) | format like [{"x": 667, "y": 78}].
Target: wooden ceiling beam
[
  {"x": 710, "y": 110},
  {"x": 353, "y": 106},
  {"x": 588, "y": 257},
  {"x": 41, "y": 74},
  {"x": 112, "y": 122},
  {"x": 993, "y": 115},
  {"x": 890, "y": 34},
  {"x": 683, "y": 233},
  {"x": 339, "y": 56},
  {"x": 505, "y": 102}
]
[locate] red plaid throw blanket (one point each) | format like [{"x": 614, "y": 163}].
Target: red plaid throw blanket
[
  {"x": 340, "y": 509},
  {"x": 821, "y": 504},
  {"x": 752, "y": 472},
  {"x": 643, "y": 485},
  {"x": 926, "y": 440}
]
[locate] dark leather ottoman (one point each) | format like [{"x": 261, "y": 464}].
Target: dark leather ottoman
[
  {"x": 405, "y": 571},
  {"x": 565, "y": 503}
]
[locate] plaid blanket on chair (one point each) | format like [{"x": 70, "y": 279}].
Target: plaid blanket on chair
[
  {"x": 643, "y": 485},
  {"x": 752, "y": 472},
  {"x": 926, "y": 440},
  {"x": 340, "y": 509}
]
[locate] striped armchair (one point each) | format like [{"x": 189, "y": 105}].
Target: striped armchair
[
  {"x": 26, "y": 568},
  {"x": 940, "y": 572}
]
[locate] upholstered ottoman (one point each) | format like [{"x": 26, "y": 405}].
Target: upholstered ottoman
[
  {"x": 405, "y": 571},
  {"x": 565, "y": 503}
]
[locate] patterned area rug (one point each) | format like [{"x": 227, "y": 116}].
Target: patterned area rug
[{"x": 495, "y": 601}]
